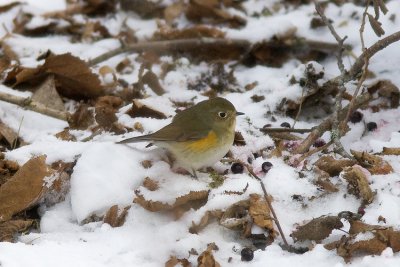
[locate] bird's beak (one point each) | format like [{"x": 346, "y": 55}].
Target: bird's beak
[{"x": 239, "y": 113}]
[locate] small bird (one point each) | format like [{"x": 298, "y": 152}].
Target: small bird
[{"x": 198, "y": 136}]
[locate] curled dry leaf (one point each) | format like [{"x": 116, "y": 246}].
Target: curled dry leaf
[
  {"x": 386, "y": 88},
  {"x": 150, "y": 184},
  {"x": 260, "y": 212},
  {"x": 317, "y": 229},
  {"x": 373, "y": 163},
  {"x": 8, "y": 134},
  {"x": 192, "y": 196},
  {"x": 25, "y": 188},
  {"x": 322, "y": 180},
  {"x": 391, "y": 151},
  {"x": 8, "y": 229},
  {"x": 105, "y": 109},
  {"x": 206, "y": 259},
  {"x": 358, "y": 185},
  {"x": 82, "y": 118},
  {"x": 47, "y": 94},
  {"x": 205, "y": 220},
  {"x": 333, "y": 166},
  {"x": 116, "y": 216},
  {"x": 174, "y": 261},
  {"x": 140, "y": 110}
]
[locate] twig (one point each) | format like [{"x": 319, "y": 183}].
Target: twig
[
  {"x": 285, "y": 130},
  {"x": 250, "y": 170},
  {"x": 336, "y": 132},
  {"x": 34, "y": 106},
  {"x": 326, "y": 125},
  {"x": 194, "y": 43},
  {"x": 365, "y": 71},
  {"x": 316, "y": 150}
]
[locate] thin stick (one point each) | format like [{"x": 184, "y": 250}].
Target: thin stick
[
  {"x": 285, "y": 130},
  {"x": 34, "y": 106},
  {"x": 250, "y": 170},
  {"x": 14, "y": 145}
]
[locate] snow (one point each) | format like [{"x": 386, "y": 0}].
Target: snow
[{"x": 108, "y": 174}]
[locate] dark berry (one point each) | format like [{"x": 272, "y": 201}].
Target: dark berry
[
  {"x": 237, "y": 167},
  {"x": 302, "y": 82},
  {"x": 371, "y": 126},
  {"x": 266, "y": 166},
  {"x": 356, "y": 116},
  {"x": 319, "y": 143},
  {"x": 361, "y": 211},
  {"x": 285, "y": 125},
  {"x": 247, "y": 254}
]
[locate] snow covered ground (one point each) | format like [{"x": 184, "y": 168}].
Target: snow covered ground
[{"x": 107, "y": 174}]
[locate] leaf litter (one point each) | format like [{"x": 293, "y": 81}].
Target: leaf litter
[{"x": 131, "y": 93}]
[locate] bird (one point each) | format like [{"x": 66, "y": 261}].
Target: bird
[{"x": 198, "y": 136}]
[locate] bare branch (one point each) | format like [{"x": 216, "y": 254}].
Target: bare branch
[{"x": 34, "y": 106}]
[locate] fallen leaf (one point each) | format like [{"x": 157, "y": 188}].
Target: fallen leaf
[
  {"x": 174, "y": 261},
  {"x": 317, "y": 229},
  {"x": 151, "y": 79},
  {"x": 260, "y": 213},
  {"x": 8, "y": 134},
  {"x": 150, "y": 184},
  {"x": 140, "y": 110},
  {"x": 47, "y": 94},
  {"x": 9, "y": 228},
  {"x": 25, "y": 188},
  {"x": 187, "y": 198},
  {"x": 173, "y": 11},
  {"x": 239, "y": 139},
  {"x": 333, "y": 166},
  {"x": 82, "y": 118},
  {"x": 206, "y": 259},
  {"x": 204, "y": 221},
  {"x": 358, "y": 183},
  {"x": 116, "y": 216},
  {"x": 373, "y": 163},
  {"x": 391, "y": 151}
]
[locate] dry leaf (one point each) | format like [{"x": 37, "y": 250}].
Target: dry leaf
[
  {"x": 8, "y": 134},
  {"x": 151, "y": 79},
  {"x": 140, "y": 110},
  {"x": 66, "y": 135},
  {"x": 47, "y": 94},
  {"x": 358, "y": 183},
  {"x": 206, "y": 259},
  {"x": 260, "y": 213},
  {"x": 204, "y": 221},
  {"x": 25, "y": 188},
  {"x": 10, "y": 228},
  {"x": 317, "y": 229},
  {"x": 82, "y": 118},
  {"x": 173, "y": 11},
  {"x": 333, "y": 166},
  {"x": 115, "y": 216},
  {"x": 322, "y": 180},
  {"x": 174, "y": 261},
  {"x": 7, "y": 7},
  {"x": 150, "y": 184},
  {"x": 391, "y": 151},
  {"x": 239, "y": 139},
  {"x": 192, "y": 196},
  {"x": 374, "y": 164}
]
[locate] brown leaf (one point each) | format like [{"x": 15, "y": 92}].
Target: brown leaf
[
  {"x": 260, "y": 212},
  {"x": 173, "y": 11},
  {"x": 150, "y": 184},
  {"x": 8, "y": 134},
  {"x": 376, "y": 26},
  {"x": 317, "y": 229},
  {"x": 25, "y": 188},
  {"x": 206, "y": 259},
  {"x": 358, "y": 183},
  {"x": 239, "y": 139},
  {"x": 143, "y": 8},
  {"x": 322, "y": 180},
  {"x": 66, "y": 135},
  {"x": 197, "y": 31},
  {"x": 386, "y": 88},
  {"x": 7, "y": 7},
  {"x": 73, "y": 75},
  {"x": 204, "y": 221},
  {"x": 373, "y": 163},
  {"x": 82, "y": 118},
  {"x": 187, "y": 198},
  {"x": 174, "y": 261},
  {"x": 391, "y": 151},
  {"x": 140, "y": 110},
  {"x": 151, "y": 79},
  {"x": 115, "y": 216},
  {"x": 47, "y": 94},
  {"x": 10, "y": 228},
  {"x": 333, "y": 166}
]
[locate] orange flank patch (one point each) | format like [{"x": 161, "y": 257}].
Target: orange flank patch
[{"x": 205, "y": 143}]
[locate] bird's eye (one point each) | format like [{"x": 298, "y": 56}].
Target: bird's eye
[{"x": 222, "y": 114}]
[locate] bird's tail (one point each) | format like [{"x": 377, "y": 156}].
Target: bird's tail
[{"x": 136, "y": 139}]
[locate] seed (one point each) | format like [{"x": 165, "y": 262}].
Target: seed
[
  {"x": 356, "y": 116},
  {"x": 371, "y": 126}
]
